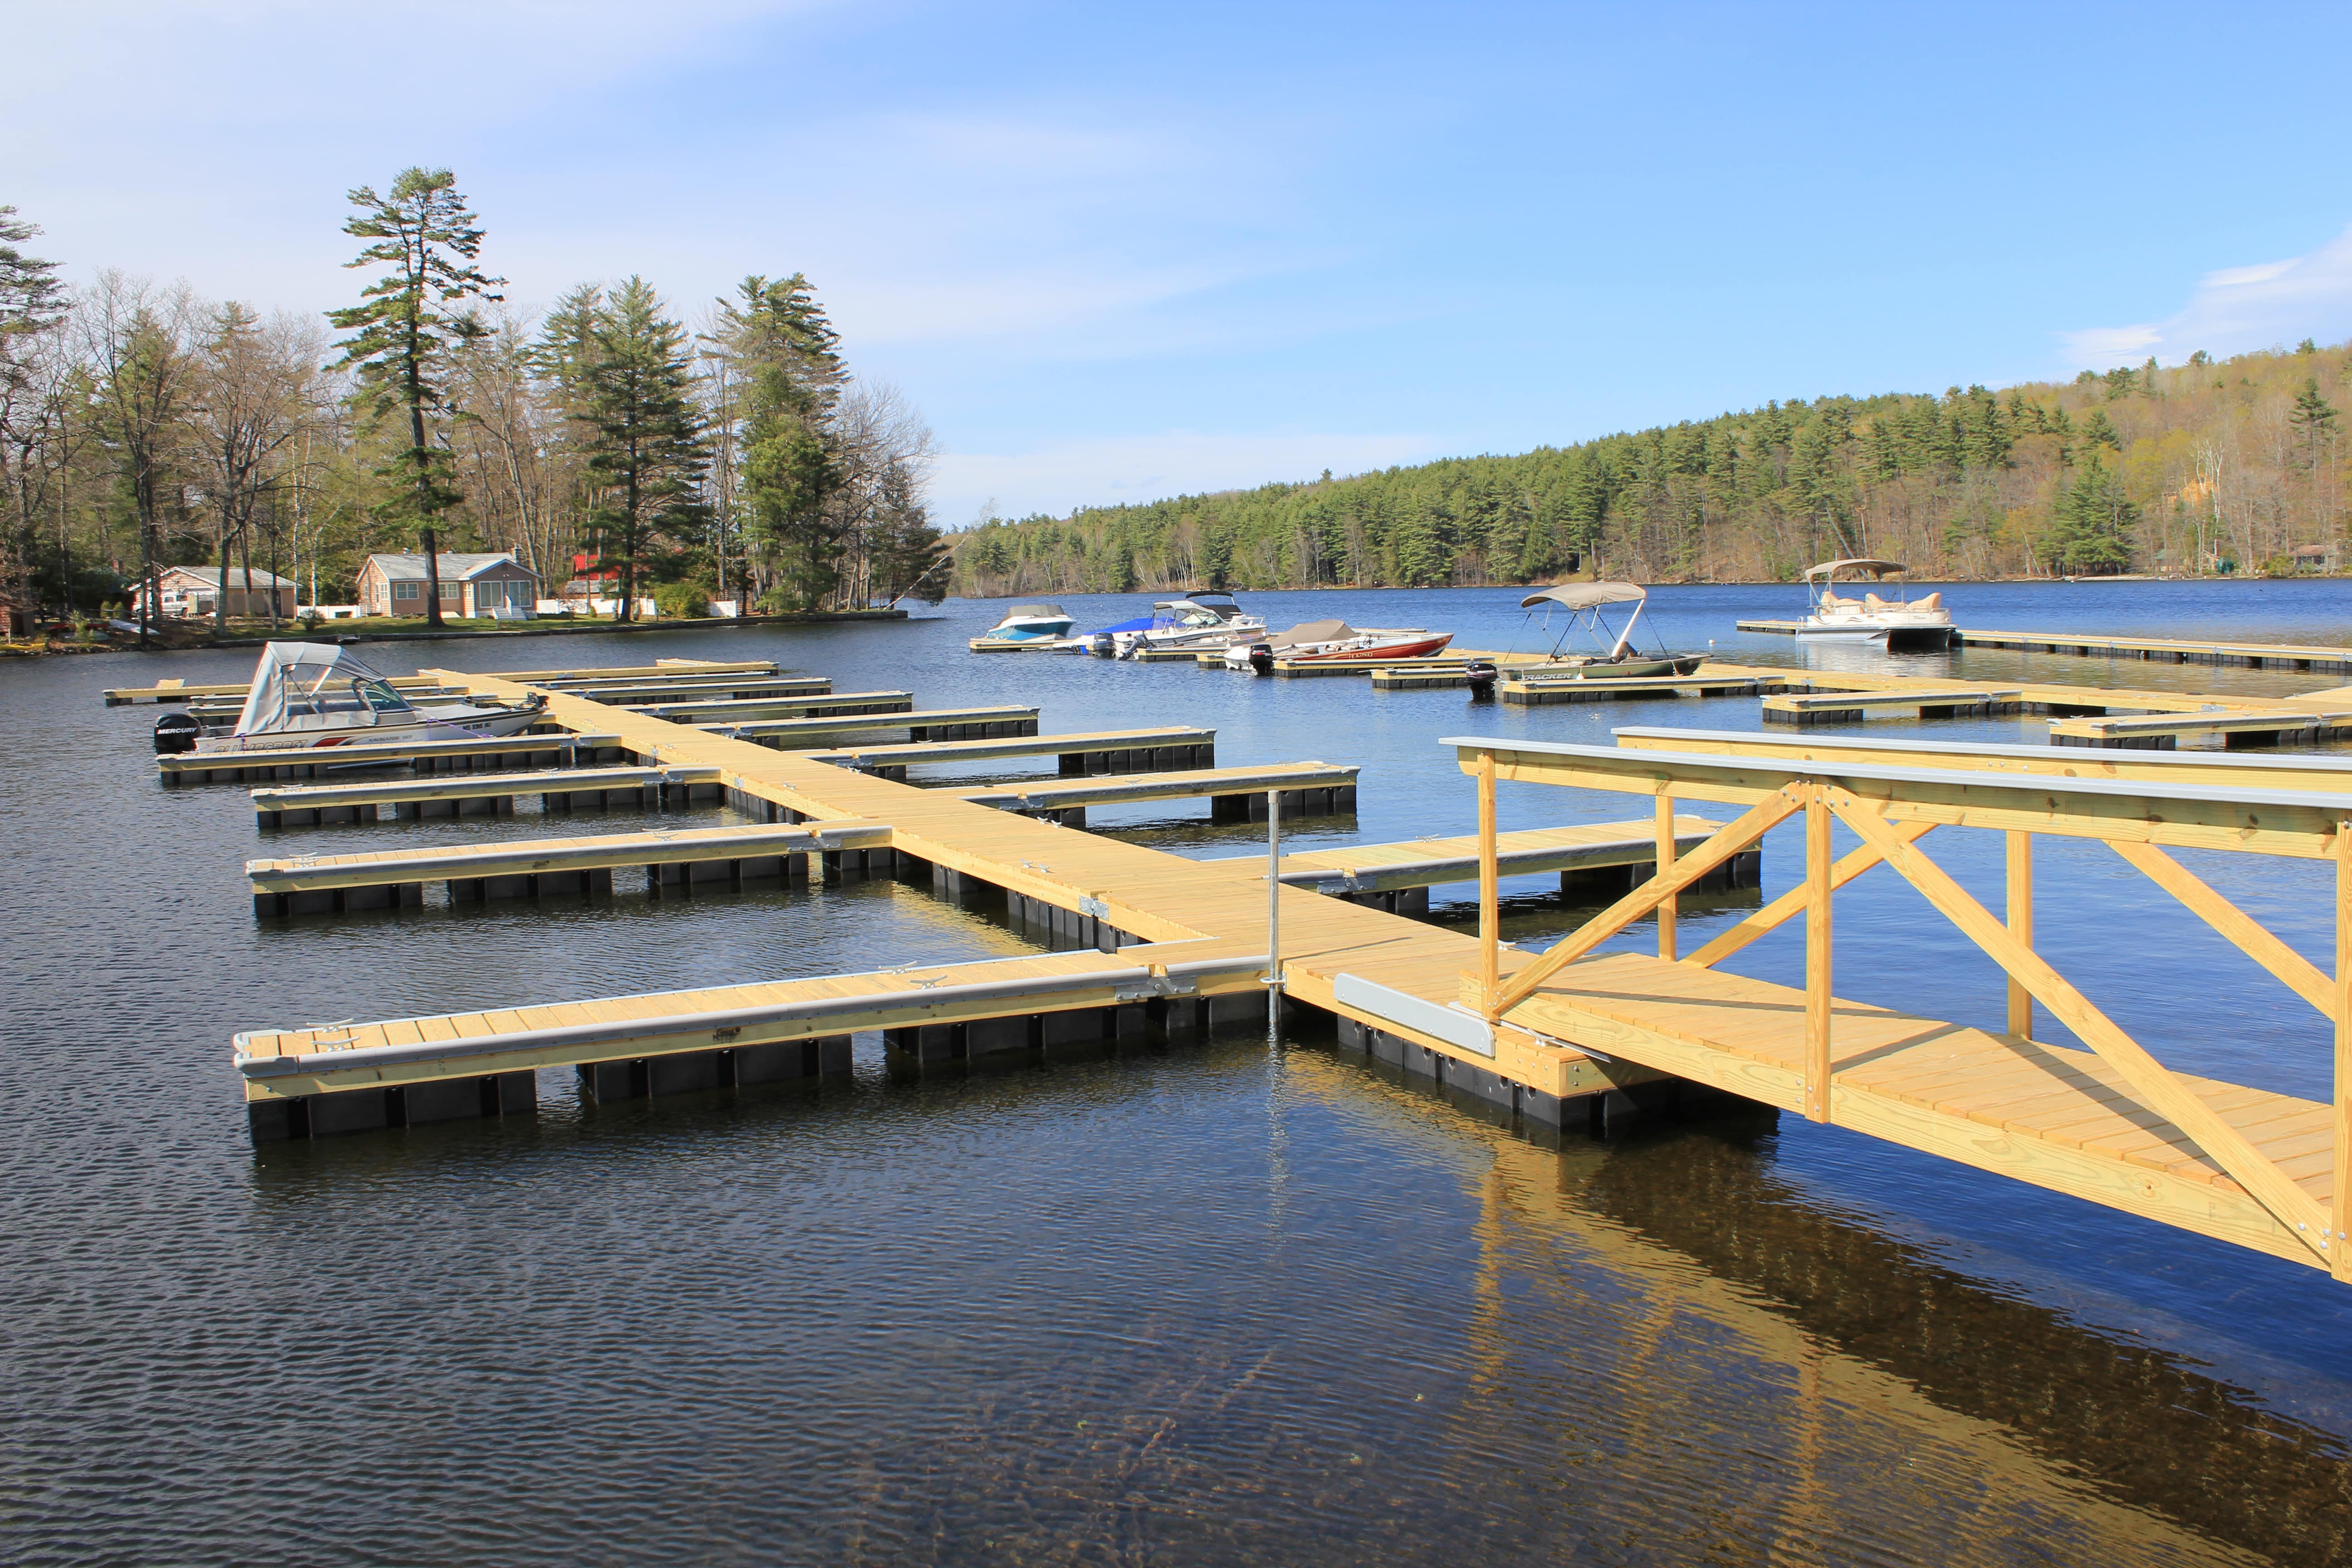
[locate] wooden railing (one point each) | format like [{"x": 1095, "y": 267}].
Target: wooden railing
[{"x": 1891, "y": 806}]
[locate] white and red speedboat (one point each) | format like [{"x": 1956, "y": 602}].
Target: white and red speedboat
[{"x": 1314, "y": 640}]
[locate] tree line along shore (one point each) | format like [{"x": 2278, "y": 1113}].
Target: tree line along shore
[
  {"x": 2212, "y": 467},
  {"x": 736, "y": 457}
]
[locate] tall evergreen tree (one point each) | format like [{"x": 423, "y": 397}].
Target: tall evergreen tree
[
  {"x": 2093, "y": 522},
  {"x": 795, "y": 377},
  {"x": 405, "y": 329},
  {"x": 646, "y": 446},
  {"x": 2314, "y": 416}
]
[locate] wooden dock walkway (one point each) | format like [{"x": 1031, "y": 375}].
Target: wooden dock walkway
[{"x": 481, "y": 873}]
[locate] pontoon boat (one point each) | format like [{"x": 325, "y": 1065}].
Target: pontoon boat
[{"x": 1897, "y": 622}]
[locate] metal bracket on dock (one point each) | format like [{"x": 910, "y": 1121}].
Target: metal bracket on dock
[{"x": 1090, "y": 905}]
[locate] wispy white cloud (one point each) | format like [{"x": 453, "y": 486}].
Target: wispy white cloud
[
  {"x": 2236, "y": 309},
  {"x": 1116, "y": 468}
]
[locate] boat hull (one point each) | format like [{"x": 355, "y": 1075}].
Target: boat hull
[{"x": 1415, "y": 648}]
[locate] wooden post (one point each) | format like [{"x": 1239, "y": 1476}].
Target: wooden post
[
  {"x": 2021, "y": 926},
  {"x": 1490, "y": 918},
  {"x": 2339, "y": 1206},
  {"x": 1666, "y": 864},
  {"x": 1817, "y": 955}
]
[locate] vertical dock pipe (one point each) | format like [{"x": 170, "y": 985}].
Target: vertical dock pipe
[{"x": 1273, "y": 907}]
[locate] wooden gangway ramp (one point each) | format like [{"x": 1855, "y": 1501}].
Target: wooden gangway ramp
[{"x": 2103, "y": 1121}]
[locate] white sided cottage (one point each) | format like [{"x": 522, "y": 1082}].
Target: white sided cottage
[{"x": 470, "y": 584}]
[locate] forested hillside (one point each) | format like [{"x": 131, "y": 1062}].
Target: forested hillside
[
  {"x": 733, "y": 455},
  {"x": 2211, "y": 466}
]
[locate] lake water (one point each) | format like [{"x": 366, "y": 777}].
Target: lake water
[{"x": 1249, "y": 1302}]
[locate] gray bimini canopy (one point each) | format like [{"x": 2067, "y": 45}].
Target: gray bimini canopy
[
  {"x": 313, "y": 686},
  {"x": 1033, "y": 610},
  {"x": 1312, "y": 632},
  {"x": 1586, "y": 595},
  {"x": 1856, "y": 564}
]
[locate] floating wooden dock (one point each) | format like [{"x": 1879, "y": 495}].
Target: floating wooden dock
[
  {"x": 1544, "y": 1035},
  {"x": 1928, "y": 701},
  {"x": 561, "y": 748},
  {"x": 1235, "y": 795},
  {"x": 485, "y": 794},
  {"x": 1638, "y": 687},
  {"x": 2167, "y": 650},
  {"x": 2159, "y": 650},
  {"x": 1102, "y": 752},
  {"x": 927, "y": 724},
  {"x": 1398, "y": 877},
  {"x": 481, "y": 873},
  {"x": 699, "y": 687},
  {"x": 2165, "y": 731},
  {"x": 835, "y": 705}
]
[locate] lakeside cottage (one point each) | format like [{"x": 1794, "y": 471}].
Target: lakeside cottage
[
  {"x": 470, "y": 585},
  {"x": 194, "y": 592}
]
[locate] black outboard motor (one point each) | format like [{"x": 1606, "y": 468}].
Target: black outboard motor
[
  {"x": 176, "y": 732},
  {"x": 1481, "y": 673},
  {"x": 1261, "y": 657},
  {"x": 1103, "y": 647}
]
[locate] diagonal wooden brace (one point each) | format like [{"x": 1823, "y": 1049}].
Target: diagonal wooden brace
[
  {"x": 2149, "y": 1077},
  {"x": 1792, "y": 904},
  {"x": 2300, "y": 973},
  {"x": 1729, "y": 839}
]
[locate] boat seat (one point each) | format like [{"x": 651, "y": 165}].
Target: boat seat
[{"x": 1934, "y": 601}]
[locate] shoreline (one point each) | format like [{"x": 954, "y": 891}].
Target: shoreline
[{"x": 325, "y": 632}]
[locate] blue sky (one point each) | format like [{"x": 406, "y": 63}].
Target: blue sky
[{"x": 1117, "y": 252}]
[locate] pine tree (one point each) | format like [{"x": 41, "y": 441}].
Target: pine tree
[
  {"x": 2314, "y": 416},
  {"x": 2092, "y": 520},
  {"x": 795, "y": 379},
  {"x": 2101, "y": 432},
  {"x": 405, "y": 327},
  {"x": 645, "y": 445}
]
